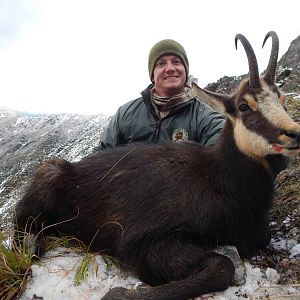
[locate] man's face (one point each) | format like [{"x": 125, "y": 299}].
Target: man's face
[{"x": 169, "y": 76}]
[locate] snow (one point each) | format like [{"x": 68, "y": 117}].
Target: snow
[
  {"x": 53, "y": 278},
  {"x": 282, "y": 244},
  {"x": 295, "y": 251}
]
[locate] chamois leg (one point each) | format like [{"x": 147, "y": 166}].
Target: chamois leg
[{"x": 182, "y": 275}]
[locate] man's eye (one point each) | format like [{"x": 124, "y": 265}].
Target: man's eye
[{"x": 160, "y": 63}]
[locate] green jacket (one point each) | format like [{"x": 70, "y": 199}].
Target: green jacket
[{"x": 136, "y": 121}]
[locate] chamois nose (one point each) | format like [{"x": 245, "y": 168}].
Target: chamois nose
[{"x": 293, "y": 135}]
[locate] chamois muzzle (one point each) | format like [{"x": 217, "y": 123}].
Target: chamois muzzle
[
  {"x": 271, "y": 68},
  {"x": 289, "y": 143},
  {"x": 254, "y": 81},
  {"x": 295, "y": 136}
]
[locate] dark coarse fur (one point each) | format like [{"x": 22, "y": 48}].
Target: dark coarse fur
[
  {"x": 162, "y": 209},
  {"x": 158, "y": 208}
]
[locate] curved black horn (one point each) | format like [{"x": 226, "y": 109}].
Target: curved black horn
[
  {"x": 271, "y": 68},
  {"x": 254, "y": 81}
]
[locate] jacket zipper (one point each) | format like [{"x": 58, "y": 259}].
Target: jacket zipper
[{"x": 156, "y": 132}]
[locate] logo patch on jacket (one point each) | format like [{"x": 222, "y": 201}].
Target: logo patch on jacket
[{"x": 180, "y": 134}]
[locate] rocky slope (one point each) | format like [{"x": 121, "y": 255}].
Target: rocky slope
[
  {"x": 288, "y": 73},
  {"x": 26, "y": 140}
]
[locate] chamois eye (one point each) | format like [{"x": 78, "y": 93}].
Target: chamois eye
[{"x": 244, "y": 107}]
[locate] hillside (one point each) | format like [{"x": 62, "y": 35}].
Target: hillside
[{"x": 27, "y": 140}]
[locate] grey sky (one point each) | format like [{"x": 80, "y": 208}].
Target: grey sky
[
  {"x": 90, "y": 56},
  {"x": 15, "y": 17}
]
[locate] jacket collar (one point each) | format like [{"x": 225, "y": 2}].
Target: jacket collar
[{"x": 146, "y": 95}]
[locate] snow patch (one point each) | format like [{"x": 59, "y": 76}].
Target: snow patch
[
  {"x": 53, "y": 278},
  {"x": 295, "y": 251}
]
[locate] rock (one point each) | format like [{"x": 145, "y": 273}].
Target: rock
[{"x": 240, "y": 271}]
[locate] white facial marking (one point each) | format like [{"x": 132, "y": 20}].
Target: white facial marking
[{"x": 250, "y": 142}]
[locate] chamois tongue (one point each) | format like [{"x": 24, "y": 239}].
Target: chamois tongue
[{"x": 277, "y": 148}]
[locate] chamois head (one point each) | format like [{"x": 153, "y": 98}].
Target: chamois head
[{"x": 256, "y": 110}]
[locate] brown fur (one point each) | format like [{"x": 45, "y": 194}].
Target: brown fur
[{"x": 162, "y": 209}]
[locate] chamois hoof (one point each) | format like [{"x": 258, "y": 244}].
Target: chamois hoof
[
  {"x": 40, "y": 247},
  {"x": 35, "y": 245}
]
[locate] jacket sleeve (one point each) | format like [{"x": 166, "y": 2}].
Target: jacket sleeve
[
  {"x": 210, "y": 127},
  {"x": 112, "y": 134}
]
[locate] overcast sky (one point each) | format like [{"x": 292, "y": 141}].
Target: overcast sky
[{"x": 90, "y": 57}]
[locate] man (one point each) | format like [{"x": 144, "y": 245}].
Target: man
[{"x": 168, "y": 109}]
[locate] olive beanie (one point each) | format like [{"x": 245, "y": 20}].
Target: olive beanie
[{"x": 163, "y": 47}]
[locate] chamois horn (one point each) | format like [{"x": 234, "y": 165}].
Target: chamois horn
[
  {"x": 270, "y": 72},
  {"x": 254, "y": 81}
]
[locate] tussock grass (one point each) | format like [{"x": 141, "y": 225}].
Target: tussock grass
[
  {"x": 111, "y": 261},
  {"x": 82, "y": 271},
  {"x": 16, "y": 260},
  {"x": 89, "y": 262},
  {"x": 15, "y": 265}
]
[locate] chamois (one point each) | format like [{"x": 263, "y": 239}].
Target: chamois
[{"x": 162, "y": 209}]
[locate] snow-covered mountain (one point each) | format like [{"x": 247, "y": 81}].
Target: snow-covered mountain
[{"x": 26, "y": 140}]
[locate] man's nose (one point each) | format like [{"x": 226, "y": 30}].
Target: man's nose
[{"x": 170, "y": 66}]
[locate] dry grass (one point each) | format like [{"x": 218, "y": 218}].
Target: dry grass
[
  {"x": 285, "y": 216},
  {"x": 89, "y": 262},
  {"x": 293, "y": 108},
  {"x": 15, "y": 265},
  {"x": 16, "y": 260},
  {"x": 285, "y": 225}
]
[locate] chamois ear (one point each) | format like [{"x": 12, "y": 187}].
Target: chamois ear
[{"x": 220, "y": 102}]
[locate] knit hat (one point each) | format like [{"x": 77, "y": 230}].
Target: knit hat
[{"x": 163, "y": 47}]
